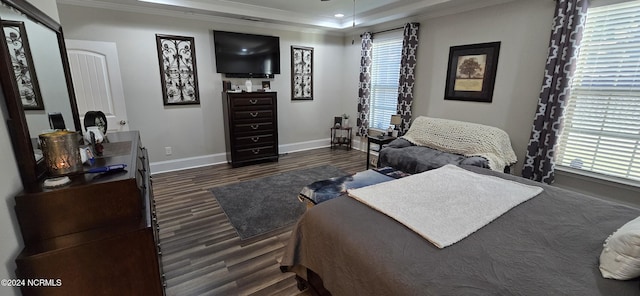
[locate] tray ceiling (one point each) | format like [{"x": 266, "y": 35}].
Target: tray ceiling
[{"x": 299, "y": 13}]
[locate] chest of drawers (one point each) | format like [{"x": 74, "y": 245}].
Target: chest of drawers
[
  {"x": 251, "y": 127},
  {"x": 97, "y": 235}
]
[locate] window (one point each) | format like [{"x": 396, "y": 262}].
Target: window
[
  {"x": 385, "y": 76},
  {"x": 602, "y": 117}
]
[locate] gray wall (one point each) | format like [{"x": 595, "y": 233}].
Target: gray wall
[
  {"x": 523, "y": 27},
  {"x": 194, "y": 131},
  {"x": 10, "y": 185}
]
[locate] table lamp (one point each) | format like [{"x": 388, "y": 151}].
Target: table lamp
[{"x": 395, "y": 121}]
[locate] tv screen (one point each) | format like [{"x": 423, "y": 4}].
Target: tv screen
[{"x": 246, "y": 55}]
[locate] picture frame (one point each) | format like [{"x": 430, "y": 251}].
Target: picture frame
[
  {"x": 178, "y": 73},
  {"x": 266, "y": 85},
  {"x": 471, "y": 72},
  {"x": 337, "y": 122},
  {"x": 19, "y": 51},
  {"x": 301, "y": 73}
]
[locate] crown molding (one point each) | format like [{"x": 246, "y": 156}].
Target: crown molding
[{"x": 251, "y": 22}]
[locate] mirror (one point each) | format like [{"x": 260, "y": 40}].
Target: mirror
[{"x": 36, "y": 81}]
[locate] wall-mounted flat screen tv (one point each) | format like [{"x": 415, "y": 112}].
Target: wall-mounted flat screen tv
[{"x": 246, "y": 55}]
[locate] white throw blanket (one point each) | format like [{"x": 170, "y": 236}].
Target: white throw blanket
[
  {"x": 464, "y": 138},
  {"x": 447, "y": 204}
]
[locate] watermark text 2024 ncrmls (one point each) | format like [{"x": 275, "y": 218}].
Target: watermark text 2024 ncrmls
[{"x": 31, "y": 282}]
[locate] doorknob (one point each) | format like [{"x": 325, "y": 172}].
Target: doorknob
[{"x": 122, "y": 122}]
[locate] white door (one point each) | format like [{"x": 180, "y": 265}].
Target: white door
[{"x": 96, "y": 81}]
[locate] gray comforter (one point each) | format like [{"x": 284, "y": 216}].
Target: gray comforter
[
  {"x": 549, "y": 245},
  {"x": 400, "y": 154}
]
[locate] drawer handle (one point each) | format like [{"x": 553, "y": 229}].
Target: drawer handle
[
  {"x": 255, "y": 126},
  {"x": 253, "y": 114},
  {"x": 255, "y": 151},
  {"x": 253, "y": 101},
  {"x": 255, "y": 139}
]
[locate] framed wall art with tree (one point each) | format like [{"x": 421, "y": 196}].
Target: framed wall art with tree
[{"x": 471, "y": 72}]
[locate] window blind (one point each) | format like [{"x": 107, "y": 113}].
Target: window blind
[
  {"x": 602, "y": 118},
  {"x": 385, "y": 76}
]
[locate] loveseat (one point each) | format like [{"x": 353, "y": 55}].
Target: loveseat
[{"x": 432, "y": 142}]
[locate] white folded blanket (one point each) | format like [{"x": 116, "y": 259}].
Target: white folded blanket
[
  {"x": 464, "y": 138},
  {"x": 447, "y": 204}
]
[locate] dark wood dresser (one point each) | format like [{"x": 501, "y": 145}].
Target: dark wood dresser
[
  {"x": 97, "y": 235},
  {"x": 251, "y": 127}
]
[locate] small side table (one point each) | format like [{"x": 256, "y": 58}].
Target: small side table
[
  {"x": 377, "y": 140},
  {"x": 339, "y": 140}
]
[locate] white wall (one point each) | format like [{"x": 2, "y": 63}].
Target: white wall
[{"x": 197, "y": 130}]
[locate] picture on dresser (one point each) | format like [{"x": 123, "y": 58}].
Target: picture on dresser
[
  {"x": 337, "y": 121},
  {"x": 178, "y": 74}
]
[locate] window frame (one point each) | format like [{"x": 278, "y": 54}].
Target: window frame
[
  {"x": 391, "y": 39},
  {"x": 586, "y": 91}
]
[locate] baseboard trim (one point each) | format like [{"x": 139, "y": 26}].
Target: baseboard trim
[
  {"x": 187, "y": 163},
  {"x": 220, "y": 158},
  {"x": 302, "y": 146}
]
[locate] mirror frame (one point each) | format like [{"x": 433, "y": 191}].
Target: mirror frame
[{"x": 31, "y": 171}]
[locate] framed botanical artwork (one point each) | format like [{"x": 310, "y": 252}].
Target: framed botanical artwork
[
  {"x": 471, "y": 73},
  {"x": 19, "y": 51},
  {"x": 178, "y": 74},
  {"x": 301, "y": 73}
]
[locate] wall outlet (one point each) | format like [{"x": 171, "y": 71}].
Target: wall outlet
[{"x": 167, "y": 151}]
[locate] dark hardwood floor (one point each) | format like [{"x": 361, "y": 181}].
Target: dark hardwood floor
[{"x": 202, "y": 253}]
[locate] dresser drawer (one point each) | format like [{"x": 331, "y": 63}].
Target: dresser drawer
[
  {"x": 256, "y": 152},
  {"x": 244, "y": 102},
  {"x": 257, "y": 127},
  {"x": 254, "y": 114},
  {"x": 254, "y": 140}
]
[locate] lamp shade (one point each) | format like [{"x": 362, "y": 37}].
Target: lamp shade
[{"x": 396, "y": 119}]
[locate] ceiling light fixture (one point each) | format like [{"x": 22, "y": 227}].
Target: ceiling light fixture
[{"x": 338, "y": 15}]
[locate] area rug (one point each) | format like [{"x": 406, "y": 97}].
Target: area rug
[{"x": 263, "y": 205}]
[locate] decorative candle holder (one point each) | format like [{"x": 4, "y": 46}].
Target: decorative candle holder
[{"x": 61, "y": 152}]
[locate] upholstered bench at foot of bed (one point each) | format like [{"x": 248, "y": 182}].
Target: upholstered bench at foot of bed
[{"x": 324, "y": 190}]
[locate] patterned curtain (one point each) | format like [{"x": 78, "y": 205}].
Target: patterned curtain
[
  {"x": 564, "y": 46},
  {"x": 407, "y": 74},
  {"x": 364, "y": 89}
]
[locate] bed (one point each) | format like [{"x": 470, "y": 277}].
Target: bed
[{"x": 548, "y": 245}]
